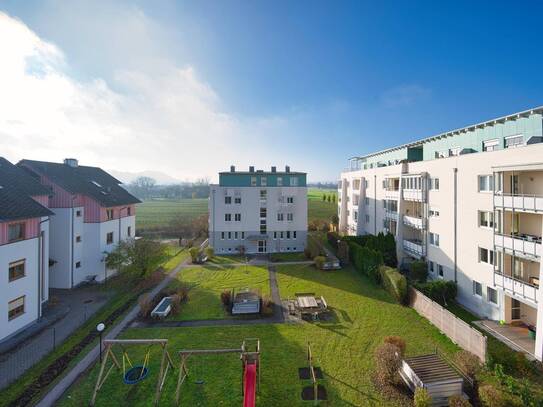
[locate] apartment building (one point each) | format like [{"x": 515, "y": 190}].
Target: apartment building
[
  {"x": 469, "y": 202},
  {"x": 24, "y": 245},
  {"x": 258, "y": 212},
  {"x": 92, "y": 214}
]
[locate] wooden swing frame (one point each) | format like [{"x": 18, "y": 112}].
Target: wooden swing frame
[
  {"x": 165, "y": 363},
  {"x": 245, "y": 357}
]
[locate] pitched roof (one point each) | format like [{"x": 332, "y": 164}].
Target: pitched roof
[
  {"x": 16, "y": 191},
  {"x": 91, "y": 181}
]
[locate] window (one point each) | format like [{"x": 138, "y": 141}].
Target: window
[
  {"x": 486, "y": 219},
  {"x": 129, "y": 231},
  {"x": 227, "y": 200},
  {"x": 263, "y": 195},
  {"x": 514, "y": 141},
  {"x": 280, "y": 217},
  {"x": 229, "y": 235},
  {"x": 355, "y": 215},
  {"x": 263, "y": 212},
  {"x": 78, "y": 213},
  {"x": 253, "y": 181},
  {"x": 440, "y": 270},
  {"x": 490, "y": 145},
  {"x": 486, "y": 183},
  {"x": 109, "y": 238},
  {"x": 263, "y": 181},
  {"x": 274, "y": 235},
  {"x": 477, "y": 288},
  {"x": 237, "y": 217},
  {"x": 367, "y": 218},
  {"x": 293, "y": 181},
  {"x": 454, "y": 151},
  {"x": 431, "y": 268},
  {"x": 109, "y": 214},
  {"x": 237, "y": 200},
  {"x": 222, "y": 235},
  {"x": 281, "y": 235},
  {"x": 440, "y": 154},
  {"x": 356, "y": 184},
  {"x": 434, "y": 184},
  {"x": 366, "y": 183},
  {"x": 16, "y": 308},
  {"x": 492, "y": 295},
  {"x": 288, "y": 234},
  {"x": 78, "y": 239},
  {"x": 434, "y": 213},
  {"x": 78, "y": 265},
  {"x": 294, "y": 235},
  {"x": 227, "y": 217},
  {"x": 16, "y": 270},
  {"x": 263, "y": 227},
  {"x": 242, "y": 235},
  {"x": 290, "y": 217},
  {"x": 290, "y": 199},
  {"x": 279, "y": 181},
  {"x": 235, "y": 235},
  {"x": 129, "y": 211},
  {"x": 486, "y": 256},
  {"x": 434, "y": 239},
  {"x": 16, "y": 231}
]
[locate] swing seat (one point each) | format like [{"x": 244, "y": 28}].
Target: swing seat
[{"x": 135, "y": 374}]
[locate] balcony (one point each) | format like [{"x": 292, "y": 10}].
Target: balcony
[
  {"x": 416, "y": 195},
  {"x": 521, "y": 203},
  {"x": 414, "y": 222},
  {"x": 390, "y": 215},
  {"x": 519, "y": 289},
  {"x": 414, "y": 247},
  {"x": 521, "y": 245},
  {"x": 392, "y": 194}
]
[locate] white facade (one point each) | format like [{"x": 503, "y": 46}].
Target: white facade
[{"x": 480, "y": 224}]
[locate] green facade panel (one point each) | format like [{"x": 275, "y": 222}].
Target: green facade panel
[{"x": 245, "y": 179}]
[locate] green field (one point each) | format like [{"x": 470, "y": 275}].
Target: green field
[
  {"x": 363, "y": 314},
  {"x": 208, "y": 282},
  {"x": 157, "y": 214}
]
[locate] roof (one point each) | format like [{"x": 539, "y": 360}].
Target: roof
[
  {"x": 90, "y": 181},
  {"x": 431, "y": 369},
  {"x": 16, "y": 191},
  {"x": 259, "y": 172},
  {"x": 491, "y": 122}
]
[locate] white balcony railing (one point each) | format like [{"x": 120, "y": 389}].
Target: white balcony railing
[
  {"x": 414, "y": 195},
  {"x": 391, "y": 215},
  {"x": 520, "y": 289},
  {"x": 414, "y": 247},
  {"x": 526, "y": 203},
  {"x": 414, "y": 222},
  {"x": 529, "y": 246},
  {"x": 392, "y": 194}
]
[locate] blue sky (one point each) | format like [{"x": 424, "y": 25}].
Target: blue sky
[{"x": 304, "y": 83}]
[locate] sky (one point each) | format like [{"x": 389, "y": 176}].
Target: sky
[{"x": 190, "y": 88}]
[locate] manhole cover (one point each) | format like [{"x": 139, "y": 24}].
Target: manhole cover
[{"x": 87, "y": 301}]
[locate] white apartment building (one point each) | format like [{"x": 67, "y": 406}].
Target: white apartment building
[
  {"x": 92, "y": 214},
  {"x": 469, "y": 202},
  {"x": 258, "y": 212},
  {"x": 24, "y": 247}
]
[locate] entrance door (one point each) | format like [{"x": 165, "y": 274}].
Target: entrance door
[
  {"x": 262, "y": 246},
  {"x": 515, "y": 309}
]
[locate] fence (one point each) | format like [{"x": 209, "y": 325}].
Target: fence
[{"x": 457, "y": 330}]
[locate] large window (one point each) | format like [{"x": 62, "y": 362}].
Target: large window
[
  {"x": 431, "y": 267},
  {"x": 477, "y": 288},
  {"x": 434, "y": 184},
  {"x": 492, "y": 295},
  {"x": 367, "y": 218},
  {"x": 280, "y": 217},
  {"x": 227, "y": 217},
  {"x": 490, "y": 145},
  {"x": 486, "y": 183},
  {"x": 293, "y": 181},
  {"x": 16, "y": 231},
  {"x": 109, "y": 238},
  {"x": 486, "y": 256},
  {"x": 16, "y": 270},
  {"x": 227, "y": 200},
  {"x": 16, "y": 308},
  {"x": 514, "y": 141},
  {"x": 263, "y": 195},
  {"x": 434, "y": 239},
  {"x": 237, "y": 217},
  {"x": 290, "y": 199},
  {"x": 486, "y": 219},
  {"x": 279, "y": 181},
  {"x": 290, "y": 217},
  {"x": 263, "y": 212},
  {"x": 263, "y": 181},
  {"x": 109, "y": 214},
  {"x": 366, "y": 201},
  {"x": 454, "y": 151},
  {"x": 237, "y": 200},
  {"x": 253, "y": 181}
]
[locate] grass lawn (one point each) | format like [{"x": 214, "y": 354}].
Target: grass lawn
[
  {"x": 225, "y": 260},
  {"x": 299, "y": 256},
  {"x": 178, "y": 255},
  {"x": 207, "y": 283},
  {"x": 317, "y": 209},
  {"x": 157, "y": 213},
  {"x": 343, "y": 347}
]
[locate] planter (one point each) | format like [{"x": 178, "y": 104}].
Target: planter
[{"x": 531, "y": 333}]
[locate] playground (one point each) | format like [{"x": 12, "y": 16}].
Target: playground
[{"x": 341, "y": 352}]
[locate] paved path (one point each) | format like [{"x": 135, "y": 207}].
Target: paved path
[{"x": 58, "y": 390}]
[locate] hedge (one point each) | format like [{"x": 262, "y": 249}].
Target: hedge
[
  {"x": 441, "y": 291},
  {"x": 395, "y": 283},
  {"x": 418, "y": 271},
  {"x": 332, "y": 238},
  {"x": 366, "y": 260},
  {"x": 385, "y": 244}
]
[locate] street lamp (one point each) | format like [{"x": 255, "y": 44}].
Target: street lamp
[{"x": 100, "y": 328}]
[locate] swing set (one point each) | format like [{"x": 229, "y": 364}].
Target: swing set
[{"x": 133, "y": 373}]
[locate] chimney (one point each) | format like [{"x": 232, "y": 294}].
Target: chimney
[
  {"x": 251, "y": 169},
  {"x": 287, "y": 168},
  {"x": 274, "y": 169},
  {"x": 71, "y": 162},
  {"x": 232, "y": 168}
]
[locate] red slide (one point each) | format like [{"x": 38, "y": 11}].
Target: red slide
[{"x": 249, "y": 385}]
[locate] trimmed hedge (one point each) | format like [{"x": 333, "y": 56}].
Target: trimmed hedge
[
  {"x": 366, "y": 260},
  {"x": 384, "y": 244},
  {"x": 395, "y": 283},
  {"x": 418, "y": 271},
  {"x": 441, "y": 291}
]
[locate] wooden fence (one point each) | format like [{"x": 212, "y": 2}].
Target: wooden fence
[{"x": 457, "y": 330}]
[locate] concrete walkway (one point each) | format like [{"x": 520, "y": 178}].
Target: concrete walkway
[{"x": 90, "y": 358}]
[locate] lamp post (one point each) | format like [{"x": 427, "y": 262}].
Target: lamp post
[{"x": 100, "y": 328}]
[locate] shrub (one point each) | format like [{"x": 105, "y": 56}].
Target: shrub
[
  {"x": 226, "y": 298},
  {"x": 267, "y": 306},
  {"x": 418, "y": 271},
  {"x": 307, "y": 253},
  {"x": 210, "y": 252},
  {"x": 319, "y": 262},
  {"x": 440, "y": 291},
  {"x": 183, "y": 293},
  {"x": 395, "y": 283},
  {"x": 194, "y": 252},
  {"x": 388, "y": 362},
  {"x": 422, "y": 398},
  {"x": 333, "y": 239},
  {"x": 176, "y": 304},
  {"x": 145, "y": 301},
  {"x": 458, "y": 401},
  {"x": 397, "y": 341},
  {"x": 343, "y": 252},
  {"x": 468, "y": 363},
  {"x": 490, "y": 396}
]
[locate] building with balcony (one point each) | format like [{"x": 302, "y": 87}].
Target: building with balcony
[
  {"x": 258, "y": 211},
  {"x": 469, "y": 202}
]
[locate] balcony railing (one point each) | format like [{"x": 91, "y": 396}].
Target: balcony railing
[
  {"x": 414, "y": 247},
  {"x": 414, "y": 222},
  {"x": 391, "y": 215},
  {"x": 392, "y": 193},
  {"x": 414, "y": 195},
  {"x": 529, "y": 246},
  {"x": 520, "y": 202},
  {"x": 518, "y": 288}
]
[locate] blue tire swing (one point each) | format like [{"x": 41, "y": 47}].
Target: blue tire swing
[{"x": 133, "y": 374}]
